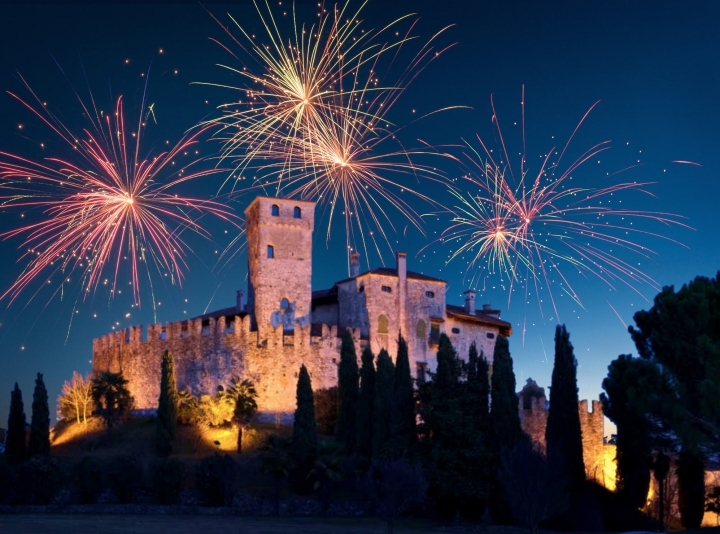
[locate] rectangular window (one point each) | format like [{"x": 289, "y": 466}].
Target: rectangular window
[
  {"x": 455, "y": 330},
  {"x": 386, "y": 289},
  {"x": 434, "y": 333},
  {"x": 270, "y": 251},
  {"x": 430, "y": 294},
  {"x": 490, "y": 335}
]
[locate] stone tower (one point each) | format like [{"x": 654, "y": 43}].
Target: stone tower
[{"x": 279, "y": 236}]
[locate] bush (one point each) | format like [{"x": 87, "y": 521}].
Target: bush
[
  {"x": 6, "y": 475},
  {"x": 88, "y": 480},
  {"x": 126, "y": 476},
  {"x": 214, "y": 478},
  {"x": 37, "y": 481},
  {"x": 168, "y": 476}
]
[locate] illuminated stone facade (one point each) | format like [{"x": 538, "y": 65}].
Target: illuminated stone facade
[
  {"x": 285, "y": 324},
  {"x": 533, "y": 408}
]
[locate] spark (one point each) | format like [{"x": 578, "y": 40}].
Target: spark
[{"x": 107, "y": 208}]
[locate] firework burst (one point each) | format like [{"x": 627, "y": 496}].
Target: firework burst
[
  {"x": 534, "y": 228},
  {"x": 105, "y": 206},
  {"x": 315, "y": 124}
]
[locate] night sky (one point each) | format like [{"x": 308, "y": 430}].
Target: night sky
[{"x": 654, "y": 67}]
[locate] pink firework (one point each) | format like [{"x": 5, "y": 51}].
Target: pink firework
[{"x": 105, "y": 204}]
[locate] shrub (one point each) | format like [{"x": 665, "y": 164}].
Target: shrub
[
  {"x": 214, "y": 478},
  {"x": 88, "y": 480},
  {"x": 168, "y": 475},
  {"x": 126, "y": 476},
  {"x": 37, "y": 481}
]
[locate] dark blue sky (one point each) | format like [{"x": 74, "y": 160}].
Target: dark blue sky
[{"x": 655, "y": 67}]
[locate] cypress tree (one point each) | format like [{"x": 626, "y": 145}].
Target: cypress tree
[
  {"x": 630, "y": 389},
  {"x": 304, "y": 439},
  {"x": 167, "y": 411},
  {"x": 403, "y": 411},
  {"x": 346, "y": 429},
  {"x": 384, "y": 389},
  {"x": 478, "y": 388},
  {"x": 563, "y": 435},
  {"x": 40, "y": 421},
  {"x": 366, "y": 401},
  {"x": 505, "y": 422},
  {"x": 15, "y": 451},
  {"x": 504, "y": 416},
  {"x": 445, "y": 441}
]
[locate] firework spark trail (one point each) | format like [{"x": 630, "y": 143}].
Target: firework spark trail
[
  {"x": 315, "y": 122},
  {"x": 104, "y": 205},
  {"x": 292, "y": 93},
  {"x": 532, "y": 231}
]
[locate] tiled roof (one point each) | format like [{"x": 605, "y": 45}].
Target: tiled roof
[
  {"x": 460, "y": 313},
  {"x": 391, "y": 271}
]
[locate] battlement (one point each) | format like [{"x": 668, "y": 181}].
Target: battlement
[{"x": 231, "y": 325}]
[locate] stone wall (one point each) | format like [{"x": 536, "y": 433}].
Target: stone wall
[
  {"x": 533, "y": 419},
  {"x": 209, "y": 356}
]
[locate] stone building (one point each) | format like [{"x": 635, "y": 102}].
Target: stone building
[
  {"x": 285, "y": 324},
  {"x": 533, "y": 407}
]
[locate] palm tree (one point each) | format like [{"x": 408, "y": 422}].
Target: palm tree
[
  {"x": 243, "y": 395},
  {"x": 111, "y": 396}
]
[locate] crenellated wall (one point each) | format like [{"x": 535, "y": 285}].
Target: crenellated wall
[
  {"x": 533, "y": 411},
  {"x": 208, "y": 353}
]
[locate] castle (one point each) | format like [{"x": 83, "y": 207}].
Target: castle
[{"x": 285, "y": 324}]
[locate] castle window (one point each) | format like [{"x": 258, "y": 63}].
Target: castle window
[
  {"x": 455, "y": 330},
  {"x": 361, "y": 289},
  {"x": 490, "y": 335},
  {"x": 420, "y": 369},
  {"x": 434, "y": 333},
  {"x": 421, "y": 330},
  {"x": 275, "y": 210},
  {"x": 430, "y": 294},
  {"x": 270, "y": 251},
  {"x": 163, "y": 334},
  {"x": 386, "y": 289},
  {"x": 284, "y": 304},
  {"x": 382, "y": 324},
  {"x": 297, "y": 213}
]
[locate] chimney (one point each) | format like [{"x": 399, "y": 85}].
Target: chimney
[
  {"x": 239, "y": 301},
  {"x": 469, "y": 301},
  {"x": 354, "y": 264},
  {"x": 401, "y": 265},
  {"x": 487, "y": 309}
]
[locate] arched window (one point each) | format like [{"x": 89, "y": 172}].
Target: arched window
[
  {"x": 421, "y": 330},
  {"x": 297, "y": 213},
  {"x": 284, "y": 304},
  {"x": 382, "y": 324},
  {"x": 275, "y": 210},
  {"x": 270, "y": 251}
]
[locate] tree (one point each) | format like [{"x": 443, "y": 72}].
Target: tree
[
  {"x": 681, "y": 332},
  {"x": 326, "y": 410},
  {"x": 40, "y": 421},
  {"x": 167, "y": 412},
  {"x": 304, "y": 438},
  {"x": 366, "y": 402},
  {"x": 563, "y": 435},
  {"x": 346, "y": 429},
  {"x": 455, "y": 457},
  {"x": 242, "y": 395},
  {"x": 384, "y": 385},
  {"x": 504, "y": 416},
  {"x": 630, "y": 388},
  {"x": 403, "y": 410},
  {"x": 111, "y": 397},
  {"x": 504, "y": 421},
  {"x": 76, "y": 398},
  {"x": 15, "y": 450},
  {"x": 533, "y": 492}
]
